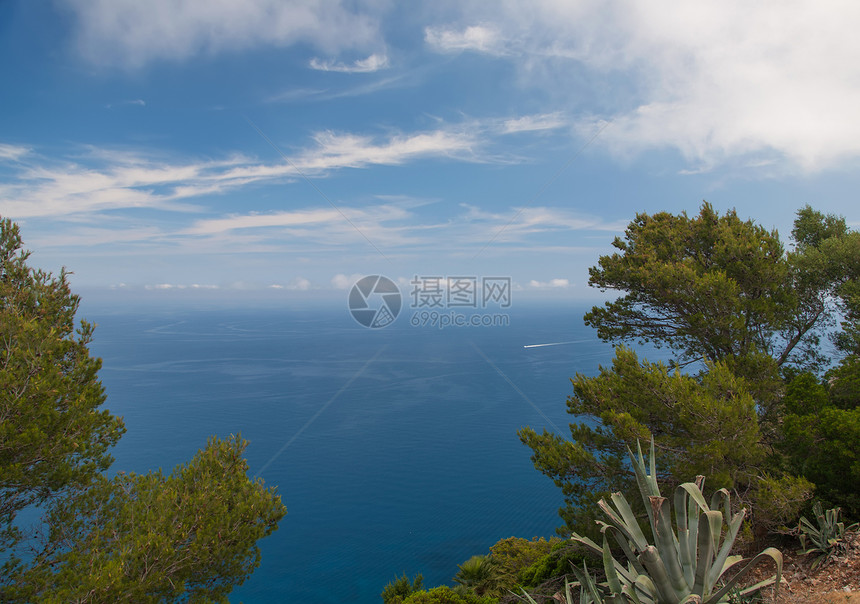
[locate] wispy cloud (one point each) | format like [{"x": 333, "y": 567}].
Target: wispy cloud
[
  {"x": 374, "y": 62},
  {"x": 131, "y": 34},
  {"x": 163, "y": 286},
  {"x": 480, "y": 38},
  {"x": 134, "y": 102},
  {"x": 398, "y": 228},
  {"x": 256, "y": 221},
  {"x": 100, "y": 179},
  {"x": 12, "y": 152},
  {"x": 325, "y": 94},
  {"x": 338, "y": 150},
  {"x": 551, "y": 284},
  {"x": 532, "y": 123},
  {"x": 537, "y": 219}
]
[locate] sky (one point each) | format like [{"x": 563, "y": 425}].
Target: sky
[{"x": 277, "y": 147}]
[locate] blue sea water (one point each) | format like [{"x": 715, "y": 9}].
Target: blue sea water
[{"x": 394, "y": 450}]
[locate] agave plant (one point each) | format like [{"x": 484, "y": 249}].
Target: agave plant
[
  {"x": 687, "y": 564},
  {"x": 826, "y": 537}
]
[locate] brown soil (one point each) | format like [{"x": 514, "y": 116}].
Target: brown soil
[{"x": 836, "y": 580}]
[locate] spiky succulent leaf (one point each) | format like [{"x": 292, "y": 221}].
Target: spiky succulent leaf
[{"x": 770, "y": 552}]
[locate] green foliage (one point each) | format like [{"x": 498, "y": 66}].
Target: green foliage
[
  {"x": 825, "y": 538},
  {"x": 708, "y": 287},
  {"x": 481, "y": 575},
  {"x": 515, "y": 555},
  {"x": 821, "y": 434},
  {"x": 676, "y": 565},
  {"x": 446, "y": 595},
  {"x": 716, "y": 287},
  {"x": 826, "y": 267},
  {"x": 723, "y": 293},
  {"x": 705, "y": 424},
  {"x": 557, "y": 563},
  {"x": 188, "y": 536},
  {"x": 844, "y": 383},
  {"x": 53, "y": 435},
  {"x": 777, "y": 500},
  {"x": 155, "y": 538},
  {"x": 400, "y": 588}
]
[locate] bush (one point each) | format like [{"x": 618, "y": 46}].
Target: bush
[
  {"x": 821, "y": 434},
  {"x": 446, "y": 595},
  {"x": 558, "y": 563},
  {"x": 515, "y": 554},
  {"x": 401, "y": 588}
]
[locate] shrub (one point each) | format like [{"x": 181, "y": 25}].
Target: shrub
[{"x": 400, "y": 588}]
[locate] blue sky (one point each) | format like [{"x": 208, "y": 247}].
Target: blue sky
[{"x": 293, "y": 146}]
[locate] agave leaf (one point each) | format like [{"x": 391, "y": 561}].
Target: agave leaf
[
  {"x": 614, "y": 518},
  {"x": 705, "y": 546},
  {"x": 720, "y": 564},
  {"x": 685, "y": 551},
  {"x": 666, "y": 591},
  {"x": 758, "y": 586},
  {"x": 587, "y": 542},
  {"x": 695, "y": 493},
  {"x": 619, "y": 537},
  {"x": 689, "y": 501},
  {"x": 804, "y": 523},
  {"x": 609, "y": 564},
  {"x": 647, "y": 487},
  {"x": 637, "y": 567},
  {"x": 640, "y": 591},
  {"x": 724, "y": 497},
  {"x": 667, "y": 544},
  {"x": 568, "y": 598},
  {"x": 645, "y": 587},
  {"x": 587, "y": 584},
  {"x": 730, "y": 562},
  {"x": 626, "y": 512},
  {"x": 771, "y": 552},
  {"x": 624, "y": 520},
  {"x": 653, "y": 462}
]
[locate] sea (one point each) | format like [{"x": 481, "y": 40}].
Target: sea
[{"x": 394, "y": 449}]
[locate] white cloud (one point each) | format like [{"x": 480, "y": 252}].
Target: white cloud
[
  {"x": 374, "y": 62},
  {"x": 479, "y": 38},
  {"x": 131, "y": 33},
  {"x": 519, "y": 222},
  {"x": 341, "y": 281},
  {"x": 531, "y": 123},
  {"x": 12, "y": 152},
  {"x": 716, "y": 80},
  {"x": 136, "y": 102},
  {"x": 251, "y": 221},
  {"x": 105, "y": 179},
  {"x": 336, "y": 150},
  {"x": 551, "y": 284},
  {"x": 164, "y": 286},
  {"x": 299, "y": 284}
]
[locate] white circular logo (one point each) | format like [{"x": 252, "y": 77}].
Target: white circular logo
[{"x": 374, "y": 301}]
